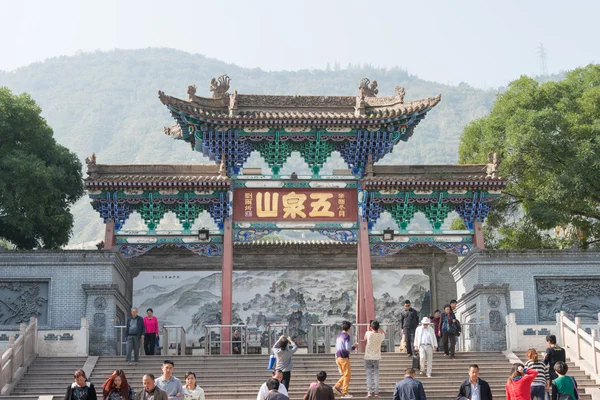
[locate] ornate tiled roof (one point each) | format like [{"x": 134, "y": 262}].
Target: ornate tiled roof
[
  {"x": 103, "y": 176},
  {"x": 438, "y": 177},
  {"x": 239, "y": 109}
]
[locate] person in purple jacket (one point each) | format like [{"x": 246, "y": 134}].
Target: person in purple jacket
[{"x": 342, "y": 359}]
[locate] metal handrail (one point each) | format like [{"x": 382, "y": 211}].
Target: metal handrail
[
  {"x": 208, "y": 345},
  {"x": 179, "y": 336},
  {"x": 121, "y": 341}
]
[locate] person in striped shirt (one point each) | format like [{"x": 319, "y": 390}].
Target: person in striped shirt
[{"x": 541, "y": 383}]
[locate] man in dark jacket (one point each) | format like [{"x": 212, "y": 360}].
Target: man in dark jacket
[
  {"x": 409, "y": 388},
  {"x": 409, "y": 320},
  {"x": 474, "y": 384},
  {"x": 134, "y": 332}
]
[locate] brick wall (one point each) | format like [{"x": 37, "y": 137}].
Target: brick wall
[
  {"x": 519, "y": 270},
  {"x": 83, "y": 284}
]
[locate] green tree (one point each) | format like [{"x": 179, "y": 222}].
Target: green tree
[
  {"x": 548, "y": 139},
  {"x": 39, "y": 179}
]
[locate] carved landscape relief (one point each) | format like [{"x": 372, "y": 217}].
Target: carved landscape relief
[
  {"x": 578, "y": 297},
  {"x": 295, "y": 298}
]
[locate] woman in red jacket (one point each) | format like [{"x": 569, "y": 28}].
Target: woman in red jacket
[{"x": 519, "y": 382}]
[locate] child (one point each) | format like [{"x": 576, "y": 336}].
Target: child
[{"x": 564, "y": 384}]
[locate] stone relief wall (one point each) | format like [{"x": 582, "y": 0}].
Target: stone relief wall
[
  {"x": 579, "y": 297},
  {"x": 21, "y": 300}
]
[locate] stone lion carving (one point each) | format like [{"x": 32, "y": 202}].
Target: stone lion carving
[{"x": 219, "y": 86}]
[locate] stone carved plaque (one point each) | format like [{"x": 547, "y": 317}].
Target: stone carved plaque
[
  {"x": 577, "y": 297},
  {"x": 100, "y": 303},
  {"x": 493, "y": 301},
  {"x": 21, "y": 300},
  {"x": 496, "y": 323},
  {"x": 99, "y": 320}
]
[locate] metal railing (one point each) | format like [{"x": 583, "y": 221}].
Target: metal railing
[
  {"x": 122, "y": 343},
  {"x": 319, "y": 339},
  {"x": 213, "y": 342},
  {"x": 18, "y": 356},
  {"x": 275, "y": 331},
  {"x": 173, "y": 337}
]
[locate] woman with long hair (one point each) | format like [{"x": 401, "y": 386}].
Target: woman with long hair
[
  {"x": 283, "y": 350},
  {"x": 116, "y": 387},
  {"x": 81, "y": 389},
  {"x": 541, "y": 383},
  {"x": 518, "y": 386},
  {"x": 191, "y": 391}
]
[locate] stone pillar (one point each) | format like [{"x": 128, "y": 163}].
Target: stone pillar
[
  {"x": 227, "y": 285},
  {"x": 478, "y": 235},
  {"x": 365, "y": 303},
  {"x": 434, "y": 301},
  {"x": 109, "y": 235}
]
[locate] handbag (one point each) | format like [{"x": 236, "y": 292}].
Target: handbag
[
  {"x": 272, "y": 362},
  {"x": 416, "y": 361}
]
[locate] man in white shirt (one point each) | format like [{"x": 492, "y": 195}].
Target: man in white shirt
[
  {"x": 264, "y": 390},
  {"x": 425, "y": 344},
  {"x": 374, "y": 337}
]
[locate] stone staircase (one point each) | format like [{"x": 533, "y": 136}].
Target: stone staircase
[
  {"x": 583, "y": 380},
  {"x": 243, "y": 375},
  {"x": 239, "y": 377},
  {"x": 47, "y": 376}
]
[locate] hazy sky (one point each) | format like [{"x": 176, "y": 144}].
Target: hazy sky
[{"x": 484, "y": 43}]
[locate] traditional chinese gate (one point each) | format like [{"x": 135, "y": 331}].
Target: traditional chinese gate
[{"x": 247, "y": 205}]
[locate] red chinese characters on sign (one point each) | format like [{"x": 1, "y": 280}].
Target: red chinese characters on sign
[{"x": 295, "y": 205}]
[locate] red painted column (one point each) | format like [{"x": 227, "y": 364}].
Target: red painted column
[
  {"x": 360, "y": 304},
  {"x": 366, "y": 312},
  {"x": 227, "y": 286},
  {"x": 109, "y": 235},
  {"x": 478, "y": 235}
]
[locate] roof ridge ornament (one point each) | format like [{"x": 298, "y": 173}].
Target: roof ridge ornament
[
  {"x": 219, "y": 86},
  {"x": 92, "y": 167},
  {"x": 400, "y": 92},
  {"x": 492, "y": 166},
  {"x": 367, "y": 88},
  {"x": 191, "y": 91}
]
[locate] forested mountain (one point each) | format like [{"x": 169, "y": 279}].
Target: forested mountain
[{"x": 107, "y": 102}]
